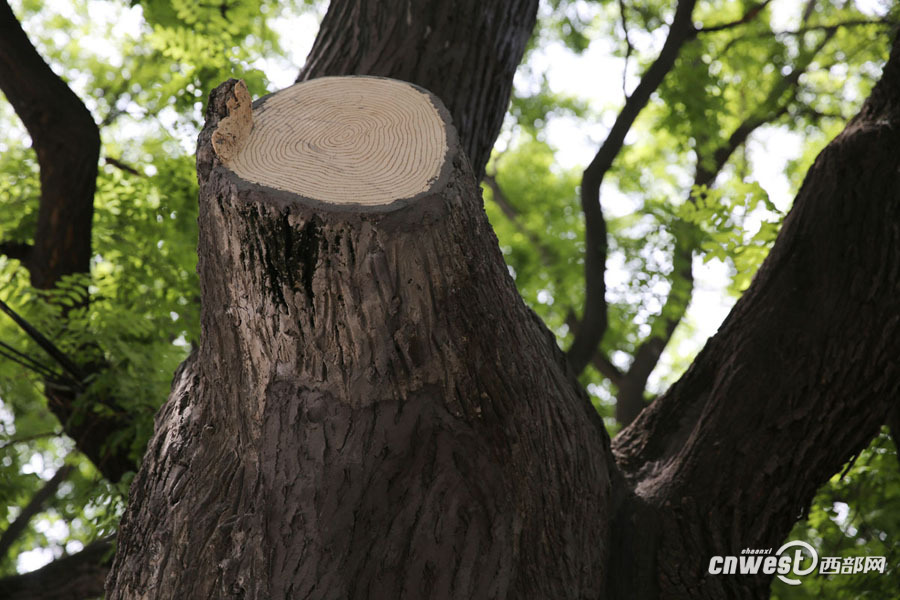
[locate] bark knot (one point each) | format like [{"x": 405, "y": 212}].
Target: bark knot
[{"x": 234, "y": 128}]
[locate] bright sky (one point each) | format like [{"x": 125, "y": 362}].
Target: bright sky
[{"x": 769, "y": 150}]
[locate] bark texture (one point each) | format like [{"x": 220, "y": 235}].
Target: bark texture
[
  {"x": 798, "y": 379},
  {"x": 373, "y": 413},
  {"x": 465, "y": 52}
]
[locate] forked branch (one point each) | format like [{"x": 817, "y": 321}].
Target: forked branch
[{"x": 594, "y": 320}]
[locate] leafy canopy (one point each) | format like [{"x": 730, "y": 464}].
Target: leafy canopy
[{"x": 683, "y": 186}]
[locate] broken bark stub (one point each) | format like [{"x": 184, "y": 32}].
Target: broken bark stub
[{"x": 354, "y": 424}]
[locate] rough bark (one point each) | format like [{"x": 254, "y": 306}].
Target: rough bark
[
  {"x": 465, "y": 52},
  {"x": 373, "y": 412},
  {"x": 799, "y": 377}
]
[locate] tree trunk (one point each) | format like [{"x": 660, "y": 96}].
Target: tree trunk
[{"x": 373, "y": 411}]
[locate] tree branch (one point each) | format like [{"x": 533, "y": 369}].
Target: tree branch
[
  {"x": 26, "y": 361},
  {"x": 748, "y": 16},
  {"x": 600, "y": 362},
  {"x": 512, "y": 214},
  {"x": 594, "y": 320},
  {"x": 629, "y": 48},
  {"x": 27, "y": 438},
  {"x": 630, "y": 399},
  {"x": 694, "y": 454},
  {"x": 122, "y": 166},
  {"x": 34, "y": 506},
  {"x": 17, "y": 250},
  {"x": 833, "y": 27},
  {"x": 75, "y": 577},
  {"x": 830, "y": 29},
  {"x": 67, "y": 143},
  {"x": 46, "y": 345},
  {"x": 630, "y": 396}
]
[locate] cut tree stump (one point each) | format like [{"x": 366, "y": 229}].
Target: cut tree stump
[{"x": 373, "y": 412}]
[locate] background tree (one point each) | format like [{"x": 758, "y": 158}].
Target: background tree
[{"x": 702, "y": 95}]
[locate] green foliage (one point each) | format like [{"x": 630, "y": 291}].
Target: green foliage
[
  {"x": 720, "y": 215},
  {"x": 532, "y": 111},
  {"x": 856, "y": 514},
  {"x": 722, "y": 82},
  {"x": 20, "y": 190},
  {"x": 137, "y": 312}
]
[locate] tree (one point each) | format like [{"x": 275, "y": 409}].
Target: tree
[{"x": 620, "y": 520}]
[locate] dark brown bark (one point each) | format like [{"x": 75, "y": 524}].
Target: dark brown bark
[
  {"x": 67, "y": 143},
  {"x": 373, "y": 413},
  {"x": 465, "y": 52},
  {"x": 79, "y": 576},
  {"x": 799, "y": 377}
]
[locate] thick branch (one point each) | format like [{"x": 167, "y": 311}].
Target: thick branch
[
  {"x": 34, "y": 506},
  {"x": 77, "y": 577},
  {"x": 630, "y": 398},
  {"x": 67, "y": 143},
  {"x": 594, "y": 320},
  {"x": 804, "y": 364},
  {"x": 17, "y": 250}
]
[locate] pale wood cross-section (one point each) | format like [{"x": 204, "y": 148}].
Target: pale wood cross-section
[{"x": 359, "y": 140}]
